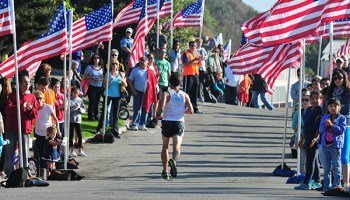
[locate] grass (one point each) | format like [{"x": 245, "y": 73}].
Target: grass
[{"x": 89, "y": 127}]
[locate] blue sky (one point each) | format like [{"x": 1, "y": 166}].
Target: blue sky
[{"x": 260, "y": 5}]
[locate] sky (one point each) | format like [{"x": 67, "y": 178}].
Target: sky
[{"x": 260, "y": 5}]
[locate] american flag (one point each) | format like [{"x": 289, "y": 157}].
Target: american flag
[
  {"x": 152, "y": 8},
  {"x": 341, "y": 28},
  {"x": 129, "y": 14},
  {"x": 227, "y": 50},
  {"x": 5, "y": 17},
  {"x": 283, "y": 57},
  {"x": 92, "y": 28},
  {"x": 190, "y": 16},
  {"x": 244, "y": 40},
  {"x": 138, "y": 49},
  {"x": 268, "y": 62},
  {"x": 290, "y": 20},
  {"x": 250, "y": 28},
  {"x": 50, "y": 44},
  {"x": 344, "y": 50},
  {"x": 165, "y": 8}
]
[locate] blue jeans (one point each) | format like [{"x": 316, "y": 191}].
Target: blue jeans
[
  {"x": 263, "y": 99},
  {"x": 140, "y": 116},
  {"x": 330, "y": 158}
]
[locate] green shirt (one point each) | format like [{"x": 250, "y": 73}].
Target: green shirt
[{"x": 164, "y": 70}]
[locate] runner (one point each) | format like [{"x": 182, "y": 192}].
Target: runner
[{"x": 173, "y": 122}]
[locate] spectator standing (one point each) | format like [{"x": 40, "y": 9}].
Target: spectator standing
[
  {"x": 191, "y": 60},
  {"x": 243, "y": 89},
  {"x": 259, "y": 88},
  {"x": 29, "y": 113},
  {"x": 175, "y": 57},
  {"x": 5, "y": 90},
  {"x": 138, "y": 83},
  {"x": 115, "y": 81},
  {"x": 78, "y": 56},
  {"x": 308, "y": 141},
  {"x": 340, "y": 89},
  {"x": 231, "y": 88},
  {"x": 152, "y": 40},
  {"x": 76, "y": 109},
  {"x": 294, "y": 90},
  {"x": 202, "y": 69},
  {"x": 43, "y": 121},
  {"x": 94, "y": 74},
  {"x": 126, "y": 45},
  {"x": 332, "y": 129}
]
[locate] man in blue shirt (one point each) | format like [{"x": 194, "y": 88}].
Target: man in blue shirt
[{"x": 126, "y": 46}]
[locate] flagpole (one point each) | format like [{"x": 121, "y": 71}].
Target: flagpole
[
  {"x": 69, "y": 71},
  {"x": 286, "y": 119},
  {"x": 158, "y": 5},
  {"x": 107, "y": 83},
  {"x": 66, "y": 98},
  {"x": 229, "y": 52},
  {"x": 171, "y": 25},
  {"x": 19, "y": 124},
  {"x": 202, "y": 16},
  {"x": 331, "y": 50},
  {"x": 319, "y": 55},
  {"x": 302, "y": 66}
]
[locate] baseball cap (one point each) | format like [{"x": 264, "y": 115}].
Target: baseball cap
[
  {"x": 129, "y": 30},
  {"x": 340, "y": 60}
]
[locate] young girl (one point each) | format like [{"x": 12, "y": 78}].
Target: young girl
[
  {"x": 52, "y": 152},
  {"x": 308, "y": 141},
  {"x": 243, "y": 89},
  {"x": 76, "y": 109},
  {"x": 332, "y": 129}
]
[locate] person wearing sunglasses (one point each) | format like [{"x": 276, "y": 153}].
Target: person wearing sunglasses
[
  {"x": 340, "y": 89},
  {"x": 294, "y": 90},
  {"x": 191, "y": 60},
  {"x": 126, "y": 45}
]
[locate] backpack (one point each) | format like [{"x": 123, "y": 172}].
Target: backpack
[
  {"x": 109, "y": 138},
  {"x": 98, "y": 138},
  {"x": 64, "y": 175},
  {"x": 16, "y": 179}
]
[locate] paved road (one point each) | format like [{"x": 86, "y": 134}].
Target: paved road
[{"x": 228, "y": 153}]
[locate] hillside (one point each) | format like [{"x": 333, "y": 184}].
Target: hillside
[{"x": 226, "y": 17}]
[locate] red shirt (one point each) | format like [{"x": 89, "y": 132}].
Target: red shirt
[
  {"x": 59, "y": 105},
  {"x": 27, "y": 116}
]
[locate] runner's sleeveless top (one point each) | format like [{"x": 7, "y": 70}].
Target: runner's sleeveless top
[{"x": 175, "y": 109}]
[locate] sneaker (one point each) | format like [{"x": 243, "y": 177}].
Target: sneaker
[
  {"x": 82, "y": 154},
  {"x": 199, "y": 112},
  {"x": 303, "y": 186},
  {"x": 3, "y": 175},
  {"x": 73, "y": 154},
  {"x": 315, "y": 186},
  {"x": 173, "y": 169},
  {"x": 135, "y": 128},
  {"x": 143, "y": 128},
  {"x": 165, "y": 175}
]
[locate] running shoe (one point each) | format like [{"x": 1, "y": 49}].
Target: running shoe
[
  {"x": 82, "y": 154},
  {"x": 303, "y": 186},
  {"x": 315, "y": 186},
  {"x": 173, "y": 170},
  {"x": 165, "y": 175},
  {"x": 73, "y": 154}
]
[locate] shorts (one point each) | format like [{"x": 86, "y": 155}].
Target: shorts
[{"x": 172, "y": 128}]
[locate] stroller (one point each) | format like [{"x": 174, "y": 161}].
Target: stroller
[{"x": 123, "y": 109}]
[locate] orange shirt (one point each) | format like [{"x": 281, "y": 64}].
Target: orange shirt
[
  {"x": 191, "y": 69},
  {"x": 245, "y": 84}
]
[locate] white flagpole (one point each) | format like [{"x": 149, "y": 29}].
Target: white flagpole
[
  {"x": 19, "y": 126},
  {"x": 286, "y": 119},
  {"x": 331, "y": 50},
  {"x": 202, "y": 17},
  {"x": 301, "y": 83},
  {"x": 69, "y": 71},
  {"x": 158, "y": 5},
  {"x": 319, "y": 55},
  {"x": 171, "y": 25},
  {"x": 107, "y": 83},
  {"x": 66, "y": 97},
  {"x": 229, "y": 52}
]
